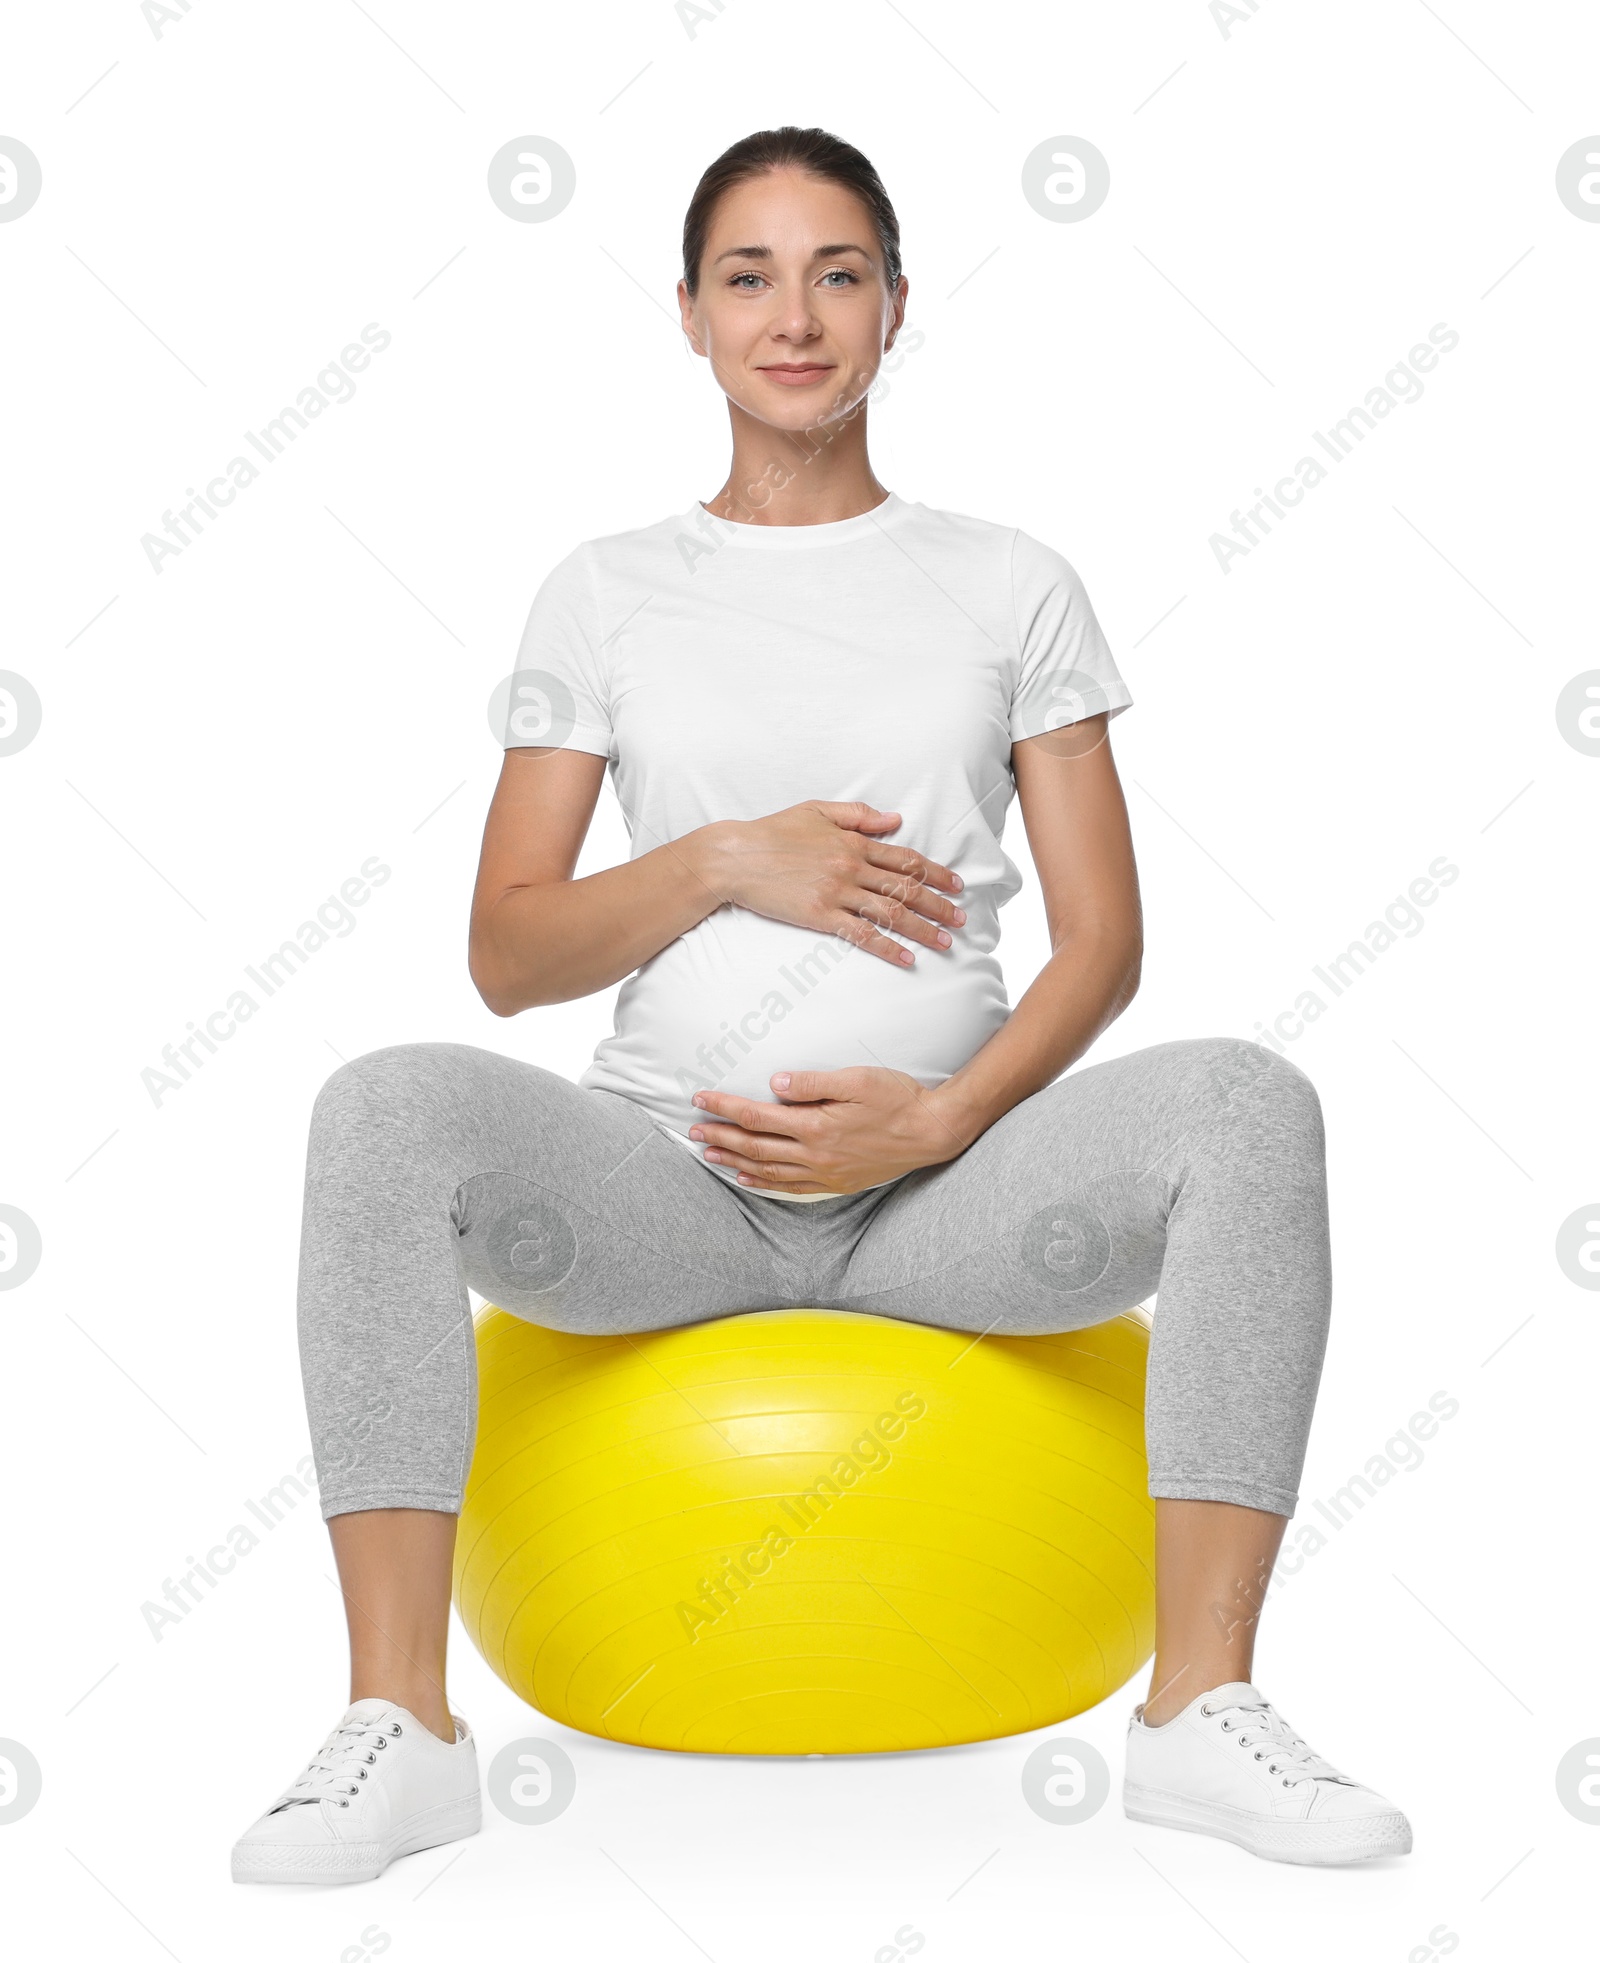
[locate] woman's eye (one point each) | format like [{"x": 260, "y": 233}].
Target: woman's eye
[{"x": 840, "y": 272}]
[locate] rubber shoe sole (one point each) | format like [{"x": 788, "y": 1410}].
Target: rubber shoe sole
[
  {"x": 356, "y": 1860},
  {"x": 1309, "y": 1843}
]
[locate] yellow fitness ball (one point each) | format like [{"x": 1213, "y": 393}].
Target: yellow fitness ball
[{"x": 804, "y": 1530}]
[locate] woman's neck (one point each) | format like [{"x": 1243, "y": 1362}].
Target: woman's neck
[{"x": 806, "y": 476}]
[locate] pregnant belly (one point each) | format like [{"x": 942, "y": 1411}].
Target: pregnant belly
[{"x": 740, "y": 997}]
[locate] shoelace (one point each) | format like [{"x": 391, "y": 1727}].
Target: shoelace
[
  {"x": 1284, "y": 1752},
  {"x": 350, "y": 1749}
]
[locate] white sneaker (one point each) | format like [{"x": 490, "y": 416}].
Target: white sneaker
[
  {"x": 1228, "y": 1765},
  {"x": 382, "y": 1785}
]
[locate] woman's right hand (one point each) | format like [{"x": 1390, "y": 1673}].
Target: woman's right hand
[{"x": 823, "y": 865}]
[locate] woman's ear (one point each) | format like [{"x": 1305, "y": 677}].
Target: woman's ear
[
  {"x": 686, "y": 319},
  {"x": 897, "y": 312}
]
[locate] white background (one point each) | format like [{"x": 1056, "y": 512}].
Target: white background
[{"x": 1293, "y": 205}]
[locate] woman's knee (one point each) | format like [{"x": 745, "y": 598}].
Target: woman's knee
[
  {"x": 1261, "y": 1091},
  {"x": 408, "y": 1076},
  {"x": 379, "y": 1101}
]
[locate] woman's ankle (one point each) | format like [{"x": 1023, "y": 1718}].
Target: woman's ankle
[
  {"x": 1174, "y": 1688},
  {"x": 424, "y": 1699}
]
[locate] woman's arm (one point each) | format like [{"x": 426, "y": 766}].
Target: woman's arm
[
  {"x": 1077, "y": 825},
  {"x": 538, "y": 935}
]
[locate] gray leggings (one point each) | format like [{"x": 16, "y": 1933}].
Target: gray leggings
[{"x": 1194, "y": 1165}]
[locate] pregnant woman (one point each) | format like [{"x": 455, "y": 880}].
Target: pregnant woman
[{"x": 817, "y": 700}]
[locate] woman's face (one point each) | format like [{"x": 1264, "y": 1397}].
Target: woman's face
[{"x": 794, "y": 311}]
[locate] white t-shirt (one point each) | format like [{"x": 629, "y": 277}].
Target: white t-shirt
[{"x": 732, "y": 670}]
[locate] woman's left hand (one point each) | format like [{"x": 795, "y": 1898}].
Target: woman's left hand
[{"x": 836, "y": 1131}]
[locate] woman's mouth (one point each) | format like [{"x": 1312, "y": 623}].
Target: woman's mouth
[{"x": 796, "y": 374}]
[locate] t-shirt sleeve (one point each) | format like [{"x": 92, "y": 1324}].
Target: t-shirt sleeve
[
  {"x": 1065, "y": 671},
  {"x": 557, "y": 694}
]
